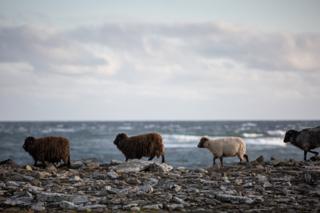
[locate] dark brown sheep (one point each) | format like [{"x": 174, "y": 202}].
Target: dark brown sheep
[
  {"x": 50, "y": 149},
  {"x": 305, "y": 139},
  {"x": 136, "y": 147}
]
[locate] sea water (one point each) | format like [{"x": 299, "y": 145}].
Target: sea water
[{"x": 95, "y": 139}]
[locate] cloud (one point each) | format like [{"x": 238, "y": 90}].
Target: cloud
[{"x": 152, "y": 71}]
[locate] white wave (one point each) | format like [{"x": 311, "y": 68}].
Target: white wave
[
  {"x": 172, "y": 141},
  {"x": 22, "y": 129},
  {"x": 125, "y": 127},
  {"x": 50, "y": 130},
  {"x": 251, "y": 135},
  {"x": 249, "y": 124},
  {"x": 276, "y": 132},
  {"x": 149, "y": 126},
  {"x": 189, "y": 145},
  {"x": 265, "y": 141},
  {"x": 181, "y": 138}
]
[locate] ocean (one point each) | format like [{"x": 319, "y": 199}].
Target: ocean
[{"x": 95, "y": 139}]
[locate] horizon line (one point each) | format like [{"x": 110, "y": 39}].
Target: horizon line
[{"x": 160, "y": 120}]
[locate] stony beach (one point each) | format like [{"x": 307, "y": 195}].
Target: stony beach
[{"x": 261, "y": 186}]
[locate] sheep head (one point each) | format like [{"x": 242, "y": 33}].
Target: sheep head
[
  {"x": 119, "y": 138},
  {"x": 202, "y": 142},
  {"x": 290, "y": 136},
  {"x": 28, "y": 143}
]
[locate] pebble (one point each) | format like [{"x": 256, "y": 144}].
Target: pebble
[{"x": 146, "y": 186}]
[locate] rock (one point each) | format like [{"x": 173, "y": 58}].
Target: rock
[
  {"x": 156, "y": 167},
  {"x": 90, "y": 207},
  {"x": 173, "y": 207},
  {"x": 135, "y": 209},
  {"x": 112, "y": 174},
  {"x": 28, "y": 168},
  {"x": 133, "y": 181},
  {"x": 131, "y": 166},
  {"x": 233, "y": 198},
  {"x": 58, "y": 197},
  {"x": 173, "y": 186},
  {"x": 153, "y": 181},
  {"x": 51, "y": 168},
  {"x": 39, "y": 206},
  {"x": 179, "y": 200},
  {"x": 75, "y": 178},
  {"x": 153, "y": 207},
  {"x": 91, "y": 164},
  {"x": 260, "y": 159},
  {"x": 24, "y": 199},
  {"x": 67, "y": 205},
  {"x": 201, "y": 170},
  {"x": 145, "y": 189},
  {"x": 315, "y": 158},
  {"x": 43, "y": 175},
  {"x": 8, "y": 162},
  {"x": 130, "y": 206},
  {"x": 115, "y": 162},
  {"x": 76, "y": 164}
]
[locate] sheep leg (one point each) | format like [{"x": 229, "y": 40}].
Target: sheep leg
[
  {"x": 305, "y": 155},
  {"x": 35, "y": 162},
  {"x": 214, "y": 160},
  {"x": 151, "y": 158},
  {"x": 221, "y": 161},
  {"x": 163, "y": 160},
  {"x": 246, "y": 157},
  {"x": 314, "y": 152},
  {"x": 127, "y": 159}
]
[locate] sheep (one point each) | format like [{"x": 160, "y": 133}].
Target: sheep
[
  {"x": 136, "y": 147},
  {"x": 305, "y": 139},
  {"x": 50, "y": 149},
  {"x": 225, "y": 147}
]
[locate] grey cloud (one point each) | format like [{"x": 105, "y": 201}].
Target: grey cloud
[
  {"x": 255, "y": 49},
  {"x": 43, "y": 50}
]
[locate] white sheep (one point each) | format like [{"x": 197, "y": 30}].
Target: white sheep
[{"x": 225, "y": 147}]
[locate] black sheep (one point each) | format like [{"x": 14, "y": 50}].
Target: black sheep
[{"x": 305, "y": 139}]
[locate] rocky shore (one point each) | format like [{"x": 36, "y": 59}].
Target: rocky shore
[{"x": 273, "y": 186}]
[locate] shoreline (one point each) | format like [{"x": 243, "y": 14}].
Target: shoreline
[{"x": 137, "y": 185}]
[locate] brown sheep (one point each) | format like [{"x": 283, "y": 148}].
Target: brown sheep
[
  {"x": 50, "y": 149},
  {"x": 136, "y": 147}
]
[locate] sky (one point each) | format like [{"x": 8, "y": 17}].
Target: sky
[{"x": 159, "y": 60}]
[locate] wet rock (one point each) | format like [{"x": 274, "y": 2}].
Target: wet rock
[
  {"x": 75, "y": 178},
  {"x": 145, "y": 189},
  {"x": 51, "y": 168},
  {"x": 315, "y": 158},
  {"x": 115, "y": 162},
  {"x": 233, "y": 198},
  {"x": 9, "y": 162},
  {"x": 112, "y": 175},
  {"x": 24, "y": 199},
  {"x": 260, "y": 160},
  {"x": 175, "y": 207},
  {"x": 39, "y": 206},
  {"x": 153, "y": 207},
  {"x": 135, "y": 209},
  {"x": 156, "y": 167},
  {"x": 131, "y": 166},
  {"x": 91, "y": 163},
  {"x": 90, "y": 207},
  {"x": 181, "y": 201},
  {"x": 43, "y": 175},
  {"x": 67, "y": 205},
  {"x": 76, "y": 164},
  {"x": 28, "y": 168}
]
